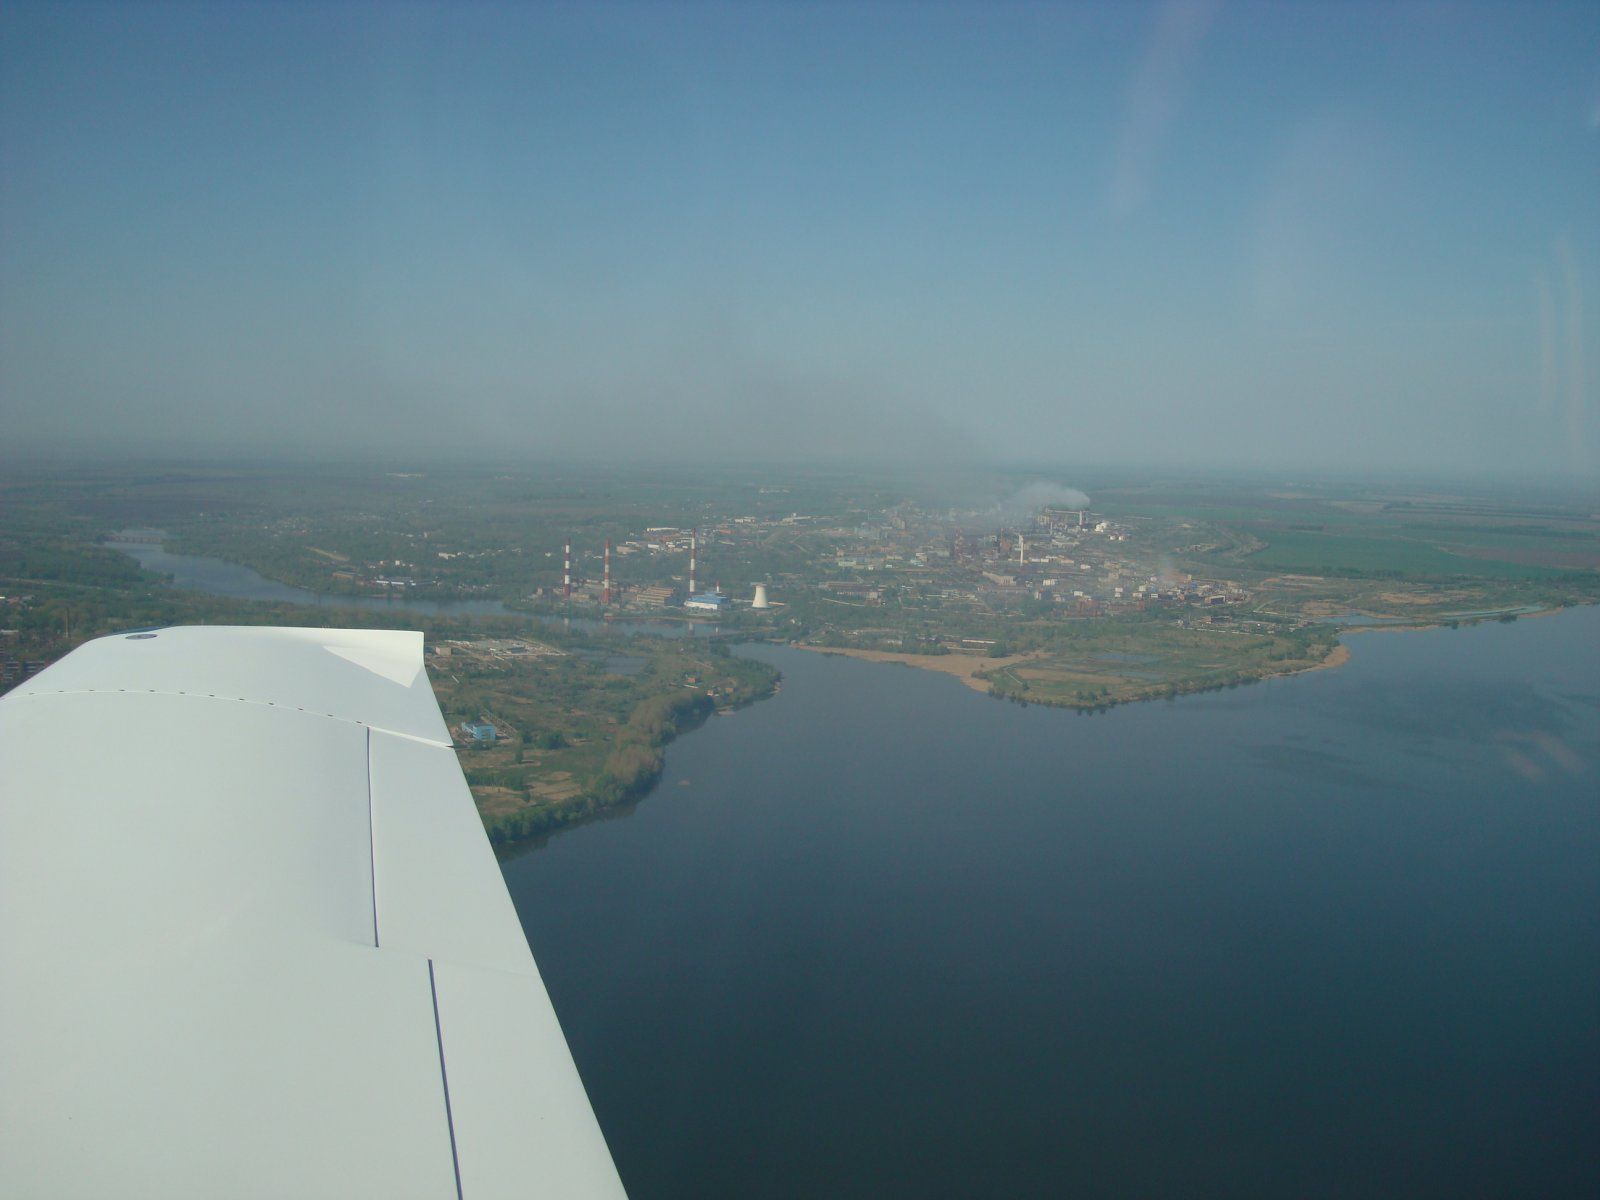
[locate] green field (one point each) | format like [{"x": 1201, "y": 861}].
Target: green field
[
  {"x": 1306, "y": 553},
  {"x": 1101, "y": 663},
  {"x": 1248, "y": 573}
]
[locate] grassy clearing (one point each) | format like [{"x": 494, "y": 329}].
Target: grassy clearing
[
  {"x": 1308, "y": 553},
  {"x": 1114, "y": 662}
]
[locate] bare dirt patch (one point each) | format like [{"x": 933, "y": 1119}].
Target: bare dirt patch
[
  {"x": 559, "y": 786},
  {"x": 1337, "y": 657},
  {"x": 963, "y": 666},
  {"x": 1324, "y": 608},
  {"x": 1413, "y": 598},
  {"x": 497, "y": 800}
]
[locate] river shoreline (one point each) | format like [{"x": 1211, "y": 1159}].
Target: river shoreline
[
  {"x": 975, "y": 671},
  {"x": 965, "y": 667}
]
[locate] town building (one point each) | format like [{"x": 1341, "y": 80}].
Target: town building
[{"x": 655, "y": 596}]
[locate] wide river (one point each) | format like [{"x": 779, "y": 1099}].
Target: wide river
[
  {"x": 219, "y": 577},
  {"x": 1333, "y": 935}
]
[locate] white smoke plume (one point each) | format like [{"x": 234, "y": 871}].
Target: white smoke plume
[{"x": 1035, "y": 496}]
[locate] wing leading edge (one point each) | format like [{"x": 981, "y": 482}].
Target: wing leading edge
[{"x": 255, "y": 942}]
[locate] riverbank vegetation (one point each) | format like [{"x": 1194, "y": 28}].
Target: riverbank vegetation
[
  {"x": 574, "y": 736},
  {"x": 581, "y": 725},
  {"x": 1167, "y": 587},
  {"x": 1099, "y": 664}
]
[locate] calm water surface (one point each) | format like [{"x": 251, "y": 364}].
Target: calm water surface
[{"x": 1337, "y": 935}]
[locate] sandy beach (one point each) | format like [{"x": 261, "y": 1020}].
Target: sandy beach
[{"x": 1337, "y": 657}]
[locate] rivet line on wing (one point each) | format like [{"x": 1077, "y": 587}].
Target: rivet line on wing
[{"x": 400, "y": 733}]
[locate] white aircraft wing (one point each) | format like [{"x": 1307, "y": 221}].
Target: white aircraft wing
[{"x": 253, "y": 941}]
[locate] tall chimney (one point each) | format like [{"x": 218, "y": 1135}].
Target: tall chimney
[
  {"x": 566, "y": 571},
  {"x": 605, "y": 591},
  {"x": 692, "y": 545}
]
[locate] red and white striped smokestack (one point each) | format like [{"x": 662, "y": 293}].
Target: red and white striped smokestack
[
  {"x": 605, "y": 591},
  {"x": 566, "y": 571},
  {"x": 692, "y": 544}
]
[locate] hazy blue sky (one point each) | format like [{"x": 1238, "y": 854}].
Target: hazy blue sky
[{"x": 1211, "y": 234}]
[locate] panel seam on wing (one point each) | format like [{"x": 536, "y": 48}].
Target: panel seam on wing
[
  {"x": 286, "y": 707},
  {"x": 372, "y": 845},
  {"x": 444, "y": 1077}
]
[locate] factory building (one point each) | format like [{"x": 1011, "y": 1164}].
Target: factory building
[
  {"x": 654, "y": 596},
  {"x": 708, "y": 602}
]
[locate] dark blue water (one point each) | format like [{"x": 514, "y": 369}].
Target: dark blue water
[{"x": 1335, "y": 935}]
